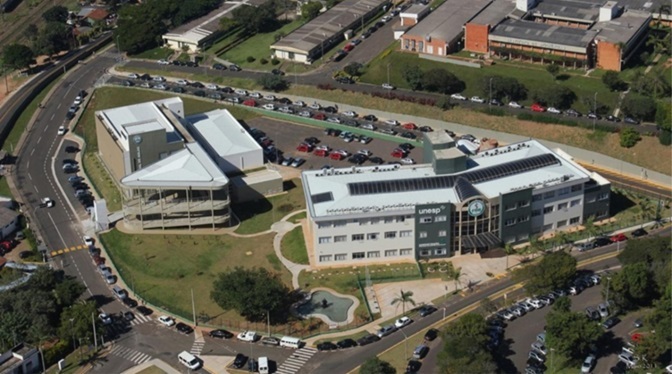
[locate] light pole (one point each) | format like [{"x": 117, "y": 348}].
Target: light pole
[
  {"x": 552, "y": 350},
  {"x": 594, "y": 111},
  {"x": 490, "y": 98},
  {"x": 607, "y": 294},
  {"x": 118, "y": 49}
]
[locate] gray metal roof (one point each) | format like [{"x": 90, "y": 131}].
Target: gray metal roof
[
  {"x": 445, "y": 22},
  {"x": 623, "y": 28},
  {"x": 543, "y": 35},
  {"x": 7, "y": 215},
  {"x": 494, "y": 13},
  {"x": 202, "y": 27},
  {"x": 225, "y": 135},
  {"x": 327, "y": 25},
  {"x": 577, "y": 11}
]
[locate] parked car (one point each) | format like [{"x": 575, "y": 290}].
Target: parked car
[
  {"x": 601, "y": 242},
  {"x": 476, "y": 99},
  {"x": 248, "y": 336},
  {"x": 588, "y": 364},
  {"x": 420, "y": 352},
  {"x": 239, "y": 361},
  {"x": 639, "y": 232},
  {"x": 513, "y": 104},
  {"x": 537, "y": 108},
  {"x": 327, "y": 346},
  {"x": 388, "y": 86},
  {"x": 183, "y": 328},
  {"x": 611, "y": 322},
  {"x": 413, "y": 366},
  {"x": 368, "y": 339},
  {"x": 346, "y": 343},
  {"x": 386, "y": 330},
  {"x": 220, "y": 334},
  {"x": 269, "y": 340},
  {"x": 619, "y": 238},
  {"x": 166, "y": 320},
  {"x": 458, "y": 96},
  {"x": 402, "y": 322},
  {"x": 431, "y": 334}
]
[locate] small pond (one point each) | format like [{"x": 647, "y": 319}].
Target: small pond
[{"x": 324, "y": 303}]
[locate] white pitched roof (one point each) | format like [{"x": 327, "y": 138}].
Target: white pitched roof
[
  {"x": 189, "y": 167},
  {"x": 223, "y": 133}
]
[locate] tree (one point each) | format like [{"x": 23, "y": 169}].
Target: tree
[
  {"x": 413, "y": 76},
  {"x": 455, "y": 275},
  {"x": 68, "y": 291},
  {"x": 227, "y": 24},
  {"x": 465, "y": 347},
  {"x": 503, "y": 88},
  {"x": 273, "y": 82},
  {"x": 508, "y": 249},
  {"x": 633, "y": 286},
  {"x": 256, "y": 19},
  {"x": 442, "y": 81},
  {"x": 562, "y": 304},
  {"x": 56, "y": 14},
  {"x": 76, "y": 321},
  {"x": 404, "y": 298},
  {"x": 555, "y": 270},
  {"x": 629, "y": 137},
  {"x": 638, "y": 106},
  {"x": 488, "y": 306},
  {"x": 557, "y": 96},
  {"x": 655, "y": 346},
  {"x": 55, "y": 37},
  {"x": 252, "y": 293},
  {"x": 310, "y": 10},
  {"x": 664, "y": 122},
  {"x": 570, "y": 333},
  {"x": 553, "y": 70},
  {"x": 353, "y": 69},
  {"x": 374, "y": 365},
  {"x": 613, "y": 81},
  {"x": 32, "y": 32},
  {"x": 17, "y": 56}
]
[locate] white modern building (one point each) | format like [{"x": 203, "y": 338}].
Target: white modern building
[{"x": 457, "y": 204}]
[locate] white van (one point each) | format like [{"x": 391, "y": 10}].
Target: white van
[
  {"x": 263, "y": 365},
  {"x": 290, "y": 342},
  {"x": 189, "y": 360}
]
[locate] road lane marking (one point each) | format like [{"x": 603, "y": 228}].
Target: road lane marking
[
  {"x": 33, "y": 151},
  {"x": 56, "y": 228}
]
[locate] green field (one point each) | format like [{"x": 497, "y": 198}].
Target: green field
[
  {"x": 532, "y": 76},
  {"x": 294, "y": 247},
  {"x": 157, "y": 53},
  {"x": 163, "y": 269},
  {"x": 258, "y": 216},
  {"x": 112, "y": 97}
]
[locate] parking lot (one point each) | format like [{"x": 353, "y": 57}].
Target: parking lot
[
  {"x": 287, "y": 136},
  {"x": 522, "y": 332}
]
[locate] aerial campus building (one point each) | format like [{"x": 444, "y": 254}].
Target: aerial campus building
[
  {"x": 179, "y": 171},
  {"x": 454, "y": 205}
]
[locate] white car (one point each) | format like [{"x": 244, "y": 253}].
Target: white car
[
  {"x": 476, "y": 99},
  {"x": 107, "y": 320},
  {"x": 350, "y": 114},
  {"x": 256, "y": 95},
  {"x": 166, "y": 321},
  {"x": 388, "y": 86},
  {"x": 269, "y": 106},
  {"x": 88, "y": 241},
  {"x": 553, "y": 110},
  {"x": 212, "y": 87},
  {"x": 305, "y": 113},
  {"x": 536, "y": 303},
  {"x": 315, "y": 106},
  {"x": 47, "y": 202},
  {"x": 604, "y": 311},
  {"x": 407, "y": 161},
  {"x": 182, "y": 82},
  {"x": 322, "y": 147},
  {"x": 270, "y": 97},
  {"x": 61, "y": 130},
  {"x": 163, "y": 62},
  {"x": 514, "y": 104},
  {"x": 78, "y": 101},
  {"x": 161, "y": 87},
  {"x": 133, "y": 76},
  {"x": 298, "y": 103},
  {"x": 247, "y": 336},
  {"x": 365, "y": 152},
  {"x": 628, "y": 359},
  {"x": 588, "y": 364},
  {"x": 539, "y": 347},
  {"x": 458, "y": 96},
  {"x": 240, "y": 92},
  {"x": 403, "y": 321},
  {"x": 159, "y": 78},
  {"x": 392, "y": 122},
  {"x": 334, "y": 120}
]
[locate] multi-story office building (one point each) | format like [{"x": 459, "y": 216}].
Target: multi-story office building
[{"x": 454, "y": 205}]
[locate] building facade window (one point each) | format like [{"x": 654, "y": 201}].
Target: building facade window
[
  {"x": 375, "y": 221},
  {"x": 324, "y": 239},
  {"x": 443, "y": 233},
  {"x": 325, "y": 258},
  {"x": 574, "y": 220},
  {"x": 323, "y": 225},
  {"x": 422, "y": 234},
  {"x": 406, "y": 251},
  {"x": 574, "y": 203},
  {"x": 426, "y": 220},
  {"x": 440, "y": 252},
  {"x": 341, "y": 257},
  {"x": 405, "y": 233},
  {"x": 536, "y": 212},
  {"x": 340, "y": 238},
  {"x": 563, "y": 191},
  {"x": 591, "y": 199},
  {"x": 562, "y": 223},
  {"x": 577, "y": 187},
  {"x": 363, "y": 222},
  {"x": 510, "y": 222},
  {"x": 391, "y": 252},
  {"x": 373, "y": 254},
  {"x": 537, "y": 197},
  {"x": 603, "y": 196},
  {"x": 549, "y": 195},
  {"x": 390, "y": 234},
  {"x": 401, "y": 219},
  {"x": 389, "y": 219},
  {"x": 547, "y": 227},
  {"x": 340, "y": 223},
  {"x": 509, "y": 208},
  {"x": 523, "y": 203},
  {"x": 562, "y": 206},
  {"x": 523, "y": 218},
  {"x": 358, "y": 255},
  {"x": 601, "y": 214},
  {"x": 425, "y": 252},
  {"x": 548, "y": 209},
  {"x": 357, "y": 237},
  {"x": 372, "y": 236},
  {"x": 440, "y": 218}
]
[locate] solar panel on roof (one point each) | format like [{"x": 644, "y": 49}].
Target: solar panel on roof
[
  {"x": 322, "y": 197},
  {"x": 448, "y": 181}
]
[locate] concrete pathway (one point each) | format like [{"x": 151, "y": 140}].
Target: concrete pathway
[
  {"x": 281, "y": 228},
  {"x": 152, "y": 363}
]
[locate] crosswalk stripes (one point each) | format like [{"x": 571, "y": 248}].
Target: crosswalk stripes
[
  {"x": 294, "y": 362},
  {"x": 140, "y": 319},
  {"x": 129, "y": 354},
  {"x": 197, "y": 348}
]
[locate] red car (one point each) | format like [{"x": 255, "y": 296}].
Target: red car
[
  {"x": 348, "y": 47},
  {"x": 7, "y": 245},
  {"x": 619, "y": 238},
  {"x": 249, "y": 102},
  {"x": 321, "y": 152},
  {"x": 410, "y": 126},
  {"x": 398, "y": 153},
  {"x": 537, "y": 108},
  {"x": 304, "y": 147},
  {"x": 336, "y": 156},
  {"x": 320, "y": 116}
]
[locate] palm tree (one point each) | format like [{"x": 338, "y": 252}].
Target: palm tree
[
  {"x": 508, "y": 249},
  {"x": 664, "y": 8},
  {"x": 403, "y": 298},
  {"x": 589, "y": 226},
  {"x": 455, "y": 277},
  {"x": 646, "y": 207}
]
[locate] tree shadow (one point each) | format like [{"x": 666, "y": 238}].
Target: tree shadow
[
  {"x": 502, "y": 356},
  {"x": 562, "y": 77},
  {"x": 100, "y": 300}
]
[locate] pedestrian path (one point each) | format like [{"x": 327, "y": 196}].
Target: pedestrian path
[
  {"x": 140, "y": 319},
  {"x": 197, "y": 348},
  {"x": 296, "y": 361},
  {"x": 129, "y": 354}
]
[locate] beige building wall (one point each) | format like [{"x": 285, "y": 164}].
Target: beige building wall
[{"x": 111, "y": 154}]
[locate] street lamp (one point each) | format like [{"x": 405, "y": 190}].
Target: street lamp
[
  {"x": 594, "y": 111},
  {"x": 324, "y": 36},
  {"x": 606, "y": 296}
]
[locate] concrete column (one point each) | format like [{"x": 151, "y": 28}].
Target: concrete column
[{"x": 163, "y": 225}]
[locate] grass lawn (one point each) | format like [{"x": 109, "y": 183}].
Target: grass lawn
[
  {"x": 257, "y": 46},
  {"x": 157, "y": 53},
  {"x": 111, "y": 97},
  {"x": 72, "y": 362},
  {"x": 4, "y": 188},
  {"x": 22, "y": 122},
  {"x": 294, "y": 247},
  {"x": 532, "y": 76},
  {"x": 151, "y": 370},
  {"x": 295, "y": 218},
  {"x": 258, "y": 216},
  {"x": 163, "y": 269},
  {"x": 354, "y": 337}
]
